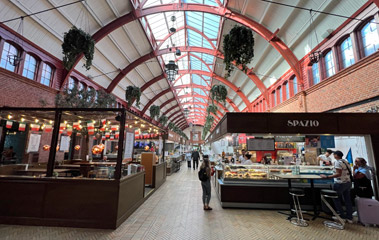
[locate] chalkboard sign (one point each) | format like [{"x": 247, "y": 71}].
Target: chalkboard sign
[{"x": 264, "y": 144}]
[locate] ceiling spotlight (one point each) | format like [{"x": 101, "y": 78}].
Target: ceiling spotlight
[
  {"x": 172, "y": 30},
  {"x": 178, "y": 52}
]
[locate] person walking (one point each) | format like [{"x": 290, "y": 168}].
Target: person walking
[
  {"x": 342, "y": 185},
  {"x": 188, "y": 158},
  {"x": 205, "y": 174},
  {"x": 195, "y": 158}
]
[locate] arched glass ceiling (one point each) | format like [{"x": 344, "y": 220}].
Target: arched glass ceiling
[{"x": 194, "y": 29}]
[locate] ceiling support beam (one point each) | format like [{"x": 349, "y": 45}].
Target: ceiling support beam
[
  {"x": 222, "y": 11},
  {"x": 154, "y": 99}
]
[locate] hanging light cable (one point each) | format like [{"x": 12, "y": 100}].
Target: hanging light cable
[{"x": 316, "y": 55}]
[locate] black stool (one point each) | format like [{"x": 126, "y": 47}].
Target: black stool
[
  {"x": 299, "y": 220},
  {"x": 327, "y": 193}
]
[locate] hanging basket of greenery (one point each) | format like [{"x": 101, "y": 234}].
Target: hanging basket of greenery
[
  {"x": 82, "y": 98},
  {"x": 219, "y": 93},
  {"x": 163, "y": 120},
  {"x": 76, "y": 42},
  {"x": 212, "y": 109},
  {"x": 171, "y": 125},
  {"x": 239, "y": 47},
  {"x": 132, "y": 94},
  {"x": 154, "y": 111}
]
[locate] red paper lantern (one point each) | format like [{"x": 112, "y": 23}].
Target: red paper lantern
[{"x": 96, "y": 149}]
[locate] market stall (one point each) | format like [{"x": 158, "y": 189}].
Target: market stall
[
  {"x": 282, "y": 143},
  {"x": 174, "y": 155},
  {"x": 70, "y": 167}
]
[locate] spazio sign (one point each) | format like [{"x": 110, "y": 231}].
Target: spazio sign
[{"x": 303, "y": 123}]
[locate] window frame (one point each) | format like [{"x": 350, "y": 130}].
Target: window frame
[
  {"x": 19, "y": 54},
  {"x": 340, "y": 52},
  {"x": 362, "y": 53},
  {"x": 42, "y": 64},
  {"x": 38, "y": 61},
  {"x": 75, "y": 82},
  {"x": 325, "y": 70}
]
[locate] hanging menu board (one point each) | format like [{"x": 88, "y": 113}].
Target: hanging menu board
[
  {"x": 263, "y": 144},
  {"x": 129, "y": 144},
  {"x": 64, "y": 145},
  {"x": 34, "y": 142}
]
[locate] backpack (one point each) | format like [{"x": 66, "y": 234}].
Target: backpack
[{"x": 203, "y": 175}]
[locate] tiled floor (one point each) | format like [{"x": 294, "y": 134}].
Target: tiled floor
[{"x": 175, "y": 212}]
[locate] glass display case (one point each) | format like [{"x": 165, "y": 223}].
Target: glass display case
[{"x": 238, "y": 172}]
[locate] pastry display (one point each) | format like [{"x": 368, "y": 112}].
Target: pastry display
[
  {"x": 287, "y": 170},
  {"x": 275, "y": 170}
]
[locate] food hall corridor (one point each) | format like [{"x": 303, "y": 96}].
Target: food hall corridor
[{"x": 175, "y": 211}]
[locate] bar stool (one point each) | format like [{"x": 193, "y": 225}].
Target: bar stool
[
  {"x": 327, "y": 193},
  {"x": 299, "y": 220}
]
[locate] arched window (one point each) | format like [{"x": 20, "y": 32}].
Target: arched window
[
  {"x": 71, "y": 83},
  {"x": 315, "y": 73},
  {"x": 280, "y": 96},
  {"x": 370, "y": 39},
  {"x": 273, "y": 98},
  {"x": 329, "y": 64},
  {"x": 6, "y": 57},
  {"x": 81, "y": 86},
  {"x": 30, "y": 66},
  {"x": 46, "y": 74},
  {"x": 347, "y": 53},
  {"x": 287, "y": 87},
  {"x": 294, "y": 81}
]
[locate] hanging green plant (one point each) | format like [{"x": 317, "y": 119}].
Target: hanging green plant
[
  {"x": 132, "y": 94},
  {"x": 212, "y": 109},
  {"x": 171, "y": 125},
  {"x": 154, "y": 111},
  {"x": 163, "y": 120},
  {"x": 84, "y": 98},
  {"x": 219, "y": 93},
  {"x": 238, "y": 47},
  {"x": 76, "y": 42}
]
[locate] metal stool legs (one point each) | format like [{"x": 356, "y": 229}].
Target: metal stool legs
[
  {"x": 340, "y": 225},
  {"x": 299, "y": 220}
]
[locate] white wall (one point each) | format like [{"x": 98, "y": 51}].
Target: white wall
[{"x": 357, "y": 145}]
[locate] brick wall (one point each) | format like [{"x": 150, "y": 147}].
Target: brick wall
[
  {"x": 18, "y": 91},
  {"x": 353, "y": 84}
]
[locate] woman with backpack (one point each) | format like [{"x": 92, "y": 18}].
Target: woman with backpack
[{"x": 205, "y": 174}]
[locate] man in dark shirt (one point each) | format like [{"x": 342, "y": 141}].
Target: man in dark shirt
[{"x": 195, "y": 157}]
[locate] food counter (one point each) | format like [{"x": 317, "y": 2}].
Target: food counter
[
  {"x": 173, "y": 163},
  {"x": 256, "y": 186}
]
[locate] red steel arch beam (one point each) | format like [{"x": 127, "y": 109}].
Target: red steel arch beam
[
  {"x": 219, "y": 104},
  {"x": 222, "y": 11},
  {"x": 193, "y": 55},
  {"x": 154, "y": 99},
  {"x": 179, "y": 116},
  {"x": 180, "y": 121},
  {"x": 224, "y": 81},
  {"x": 173, "y": 114},
  {"x": 167, "y": 102},
  {"x": 203, "y": 104},
  {"x": 170, "y": 109},
  {"x": 215, "y": 53},
  {"x": 151, "y": 82}
]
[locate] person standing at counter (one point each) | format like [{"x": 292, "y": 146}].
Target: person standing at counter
[
  {"x": 247, "y": 160},
  {"x": 362, "y": 178},
  {"x": 325, "y": 159},
  {"x": 241, "y": 159},
  {"x": 342, "y": 185},
  {"x": 205, "y": 174},
  {"x": 195, "y": 157}
]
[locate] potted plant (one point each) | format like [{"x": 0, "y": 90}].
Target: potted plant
[
  {"x": 163, "y": 120},
  {"x": 76, "y": 42},
  {"x": 238, "y": 47},
  {"x": 154, "y": 111},
  {"x": 212, "y": 109},
  {"x": 132, "y": 94},
  {"x": 171, "y": 125},
  {"x": 219, "y": 93}
]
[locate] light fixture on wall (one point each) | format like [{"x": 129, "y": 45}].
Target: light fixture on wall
[{"x": 171, "y": 70}]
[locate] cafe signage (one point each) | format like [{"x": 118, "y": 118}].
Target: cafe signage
[{"x": 303, "y": 123}]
